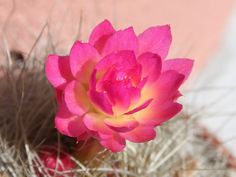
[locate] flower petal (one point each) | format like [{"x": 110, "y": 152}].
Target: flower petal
[
  {"x": 139, "y": 108},
  {"x": 67, "y": 123},
  {"x": 156, "y": 40},
  {"x": 162, "y": 113},
  {"x": 118, "y": 93},
  {"x": 101, "y": 34},
  {"x": 123, "y": 59},
  {"x": 167, "y": 111},
  {"x": 58, "y": 71},
  {"x": 95, "y": 122},
  {"x": 73, "y": 126},
  {"x": 182, "y": 66},
  {"x": 76, "y": 98},
  {"x": 135, "y": 94},
  {"x": 80, "y": 54},
  {"x": 115, "y": 144},
  {"x": 167, "y": 85},
  {"x": 140, "y": 134},
  {"x": 151, "y": 65},
  {"x": 101, "y": 100},
  {"x": 122, "y": 124},
  {"x": 121, "y": 40}
]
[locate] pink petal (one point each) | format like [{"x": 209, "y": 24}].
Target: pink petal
[
  {"x": 120, "y": 73},
  {"x": 93, "y": 81},
  {"x": 76, "y": 98},
  {"x": 139, "y": 108},
  {"x": 115, "y": 144},
  {"x": 103, "y": 136},
  {"x": 135, "y": 94},
  {"x": 121, "y": 40},
  {"x": 80, "y": 54},
  {"x": 95, "y": 122},
  {"x": 135, "y": 74},
  {"x": 140, "y": 134},
  {"x": 151, "y": 65},
  {"x": 122, "y": 59},
  {"x": 101, "y": 34},
  {"x": 156, "y": 40},
  {"x": 67, "y": 123},
  {"x": 58, "y": 71},
  {"x": 162, "y": 113},
  {"x": 167, "y": 111},
  {"x": 167, "y": 85},
  {"x": 118, "y": 93},
  {"x": 123, "y": 124},
  {"x": 176, "y": 96},
  {"x": 101, "y": 100},
  {"x": 85, "y": 72},
  {"x": 73, "y": 126},
  {"x": 62, "y": 110},
  {"x": 142, "y": 82},
  {"x": 182, "y": 66}
]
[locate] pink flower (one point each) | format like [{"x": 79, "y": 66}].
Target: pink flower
[
  {"x": 54, "y": 161},
  {"x": 118, "y": 86}
]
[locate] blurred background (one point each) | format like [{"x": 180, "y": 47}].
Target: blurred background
[{"x": 204, "y": 30}]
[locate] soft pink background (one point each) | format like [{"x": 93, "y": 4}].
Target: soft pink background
[{"x": 196, "y": 24}]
